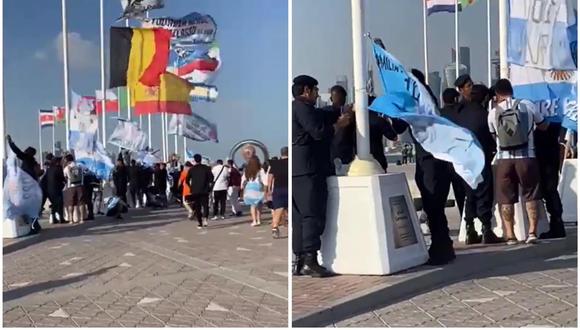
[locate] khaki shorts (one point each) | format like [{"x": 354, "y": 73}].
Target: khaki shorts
[
  {"x": 511, "y": 174},
  {"x": 73, "y": 196}
]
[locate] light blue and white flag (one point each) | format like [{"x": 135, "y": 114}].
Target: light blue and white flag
[
  {"x": 407, "y": 99},
  {"x": 96, "y": 160},
  {"x": 542, "y": 52}
]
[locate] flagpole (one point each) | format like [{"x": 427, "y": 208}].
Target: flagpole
[
  {"x": 364, "y": 164},
  {"x": 488, "y": 43},
  {"x": 104, "y": 99},
  {"x": 425, "y": 41},
  {"x": 503, "y": 39},
  {"x": 53, "y": 128},
  {"x": 149, "y": 115},
  {"x": 119, "y": 105},
  {"x": 456, "y": 39},
  {"x": 65, "y": 68},
  {"x": 184, "y": 149},
  {"x": 40, "y": 141}
]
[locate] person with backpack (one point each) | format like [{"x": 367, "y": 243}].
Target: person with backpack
[
  {"x": 512, "y": 123},
  {"x": 74, "y": 191}
]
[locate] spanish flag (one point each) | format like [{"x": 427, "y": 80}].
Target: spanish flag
[
  {"x": 138, "y": 55},
  {"x": 171, "y": 96}
]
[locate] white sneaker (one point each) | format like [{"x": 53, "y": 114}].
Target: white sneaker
[
  {"x": 205, "y": 222},
  {"x": 532, "y": 239},
  {"x": 214, "y": 218},
  {"x": 222, "y": 217}
]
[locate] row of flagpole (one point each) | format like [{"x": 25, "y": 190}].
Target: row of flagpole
[
  {"x": 164, "y": 121},
  {"x": 502, "y": 38}
]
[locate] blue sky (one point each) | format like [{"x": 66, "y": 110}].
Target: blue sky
[
  {"x": 252, "y": 82},
  {"x": 322, "y": 41}
]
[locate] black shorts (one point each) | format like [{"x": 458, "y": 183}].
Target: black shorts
[{"x": 280, "y": 198}]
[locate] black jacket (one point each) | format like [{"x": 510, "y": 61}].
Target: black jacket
[
  {"x": 120, "y": 177},
  {"x": 200, "y": 179},
  {"x": 310, "y": 135},
  {"x": 29, "y": 163},
  {"x": 160, "y": 179},
  {"x": 134, "y": 174},
  {"x": 473, "y": 116},
  {"x": 55, "y": 180}
]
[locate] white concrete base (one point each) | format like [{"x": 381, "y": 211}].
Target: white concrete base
[
  {"x": 568, "y": 189},
  {"x": 361, "y": 236},
  {"x": 15, "y": 228}
]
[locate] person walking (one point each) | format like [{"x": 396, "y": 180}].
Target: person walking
[
  {"x": 199, "y": 179},
  {"x": 253, "y": 186},
  {"x": 73, "y": 195},
  {"x": 278, "y": 180},
  {"x": 221, "y": 176},
  {"x": 89, "y": 183},
  {"x": 185, "y": 190},
  {"x": 160, "y": 182},
  {"x": 234, "y": 184},
  {"x": 309, "y": 170},
  {"x": 512, "y": 123}
]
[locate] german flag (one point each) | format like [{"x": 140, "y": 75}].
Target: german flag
[{"x": 138, "y": 55}]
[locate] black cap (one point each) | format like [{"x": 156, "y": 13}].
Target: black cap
[
  {"x": 305, "y": 80},
  {"x": 462, "y": 80}
]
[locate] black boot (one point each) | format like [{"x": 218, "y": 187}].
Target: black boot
[
  {"x": 489, "y": 236},
  {"x": 471, "y": 234},
  {"x": 557, "y": 229},
  {"x": 441, "y": 256},
  {"x": 312, "y": 268},
  {"x": 297, "y": 265}
]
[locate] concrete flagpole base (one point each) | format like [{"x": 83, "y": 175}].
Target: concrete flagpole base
[
  {"x": 568, "y": 189},
  {"x": 371, "y": 226},
  {"x": 364, "y": 167}
]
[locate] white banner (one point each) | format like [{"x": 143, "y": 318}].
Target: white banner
[
  {"x": 128, "y": 136},
  {"x": 193, "y": 127}
]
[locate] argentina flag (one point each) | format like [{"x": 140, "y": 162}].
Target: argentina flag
[
  {"x": 407, "y": 99},
  {"x": 542, "y": 53}
]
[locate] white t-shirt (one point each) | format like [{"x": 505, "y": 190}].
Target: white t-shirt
[
  {"x": 221, "y": 182},
  {"x": 261, "y": 176},
  {"x": 534, "y": 118}
]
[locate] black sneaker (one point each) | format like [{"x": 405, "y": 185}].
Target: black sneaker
[
  {"x": 275, "y": 233},
  {"x": 312, "y": 268},
  {"x": 557, "y": 230}
]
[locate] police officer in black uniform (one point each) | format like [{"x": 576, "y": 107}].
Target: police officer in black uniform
[
  {"x": 472, "y": 115},
  {"x": 310, "y": 132}
]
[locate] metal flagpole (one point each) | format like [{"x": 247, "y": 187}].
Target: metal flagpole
[
  {"x": 65, "y": 66},
  {"x": 503, "y": 39},
  {"x": 163, "y": 136},
  {"x": 184, "y": 149},
  {"x": 488, "y": 44},
  {"x": 53, "y": 128},
  {"x": 426, "y": 59},
  {"x": 119, "y": 105},
  {"x": 149, "y": 115},
  {"x": 104, "y": 100},
  {"x": 364, "y": 164},
  {"x": 40, "y": 140},
  {"x": 456, "y": 39},
  {"x": 129, "y": 94}
]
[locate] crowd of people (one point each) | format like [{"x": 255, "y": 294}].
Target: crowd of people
[
  {"x": 75, "y": 193},
  {"x": 524, "y": 147}
]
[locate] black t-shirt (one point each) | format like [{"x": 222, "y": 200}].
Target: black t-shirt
[{"x": 279, "y": 169}]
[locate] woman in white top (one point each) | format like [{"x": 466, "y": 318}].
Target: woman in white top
[{"x": 254, "y": 181}]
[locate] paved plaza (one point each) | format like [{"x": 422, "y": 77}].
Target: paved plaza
[{"x": 153, "y": 269}]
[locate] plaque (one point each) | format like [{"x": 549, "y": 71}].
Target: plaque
[{"x": 403, "y": 230}]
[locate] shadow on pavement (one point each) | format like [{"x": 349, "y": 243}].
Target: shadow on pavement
[
  {"x": 468, "y": 266},
  {"x": 21, "y": 292}
]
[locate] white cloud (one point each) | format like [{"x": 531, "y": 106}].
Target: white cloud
[
  {"x": 40, "y": 55},
  {"x": 82, "y": 53}
]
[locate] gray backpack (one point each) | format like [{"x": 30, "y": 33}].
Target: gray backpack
[
  {"x": 512, "y": 128},
  {"x": 76, "y": 175}
]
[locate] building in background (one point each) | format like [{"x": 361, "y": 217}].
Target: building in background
[{"x": 435, "y": 83}]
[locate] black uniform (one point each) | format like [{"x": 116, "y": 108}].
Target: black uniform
[
  {"x": 200, "y": 178},
  {"x": 310, "y": 133},
  {"x": 433, "y": 178},
  {"x": 55, "y": 183},
  {"x": 120, "y": 179},
  {"x": 547, "y": 150},
  {"x": 134, "y": 187},
  {"x": 473, "y": 116}
]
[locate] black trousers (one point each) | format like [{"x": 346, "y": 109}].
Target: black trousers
[
  {"x": 134, "y": 191},
  {"x": 121, "y": 192},
  {"x": 197, "y": 202},
  {"x": 219, "y": 202},
  {"x": 309, "y": 195},
  {"x": 548, "y": 155},
  {"x": 57, "y": 204},
  {"x": 433, "y": 179},
  {"x": 89, "y": 201},
  {"x": 459, "y": 190},
  {"x": 479, "y": 202}
]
